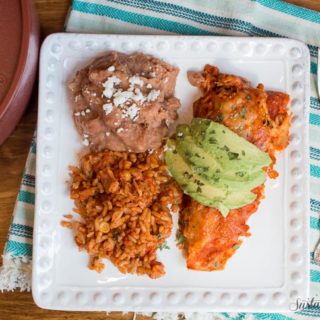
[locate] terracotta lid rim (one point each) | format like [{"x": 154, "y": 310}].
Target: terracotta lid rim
[{"x": 22, "y": 60}]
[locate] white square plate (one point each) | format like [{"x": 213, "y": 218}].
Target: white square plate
[{"x": 268, "y": 272}]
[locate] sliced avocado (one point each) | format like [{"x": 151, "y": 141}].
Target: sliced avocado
[
  {"x": 209, "y": 134},
  {"x": 199, "y": 160},
  {"x": 248, "y": 182},
  {"x": 209, "y": 168},
  {"x": 190, "y": 182},
  {"x": 215, "y": 166},
  {"x": 239, "y": 199}
]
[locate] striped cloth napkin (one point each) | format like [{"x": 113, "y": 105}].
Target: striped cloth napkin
[{"x": 271, "y": 18}]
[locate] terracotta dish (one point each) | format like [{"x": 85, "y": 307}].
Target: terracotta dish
[{"x": 19, "y": 38}]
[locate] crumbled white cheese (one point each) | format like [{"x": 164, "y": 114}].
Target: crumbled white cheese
[
  {"x": 83, "y": 113},
  {"x": 107, "y": 92},
  {"x": 109, "y": 86},
  {"x": 165, "y": 80},
  {"x": 180, "y": 134},
  {"x": 153, "y": 95},
  {"x": 111, "y": 81},
  {"x": 132, "y": 112},
  {"x": 85, "y": 135},
  {"x": 136, "y": 80},
  {"x": 107, "y": 108},
  {"x": 119, "y": 130},
  {"x": 85, "y": 142},
  {"x": 121, "y": 97},
  {"x": 77, "y": 114},
  {"x": 107, "y": 134},
  {"x": 149, "y": 86},
  {"x": 138, "y": 97},
  {"x": 152, "y": 74},
  {"x": 88, "y": 110},
  {"x": 111, "y": 68}
]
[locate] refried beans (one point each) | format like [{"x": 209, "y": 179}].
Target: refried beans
[{"x": 124, "y": 102}]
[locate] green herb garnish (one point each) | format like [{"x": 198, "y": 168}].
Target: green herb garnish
[
  {"x": 163, "y": 245},
  {"x": 213, "y": 140},
  {"x": 233, "y": 155},
  {"x": 220, "y": 117},
  {"x": 240, "y": 173},
  {"x": 243, "y": 112},
  {"x": 181, "y": 238}
]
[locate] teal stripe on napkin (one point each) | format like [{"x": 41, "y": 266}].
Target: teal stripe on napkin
[{"x": 19, "y": 249}]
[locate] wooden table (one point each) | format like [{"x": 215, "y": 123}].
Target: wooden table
[{"x": 13, "y": 153}]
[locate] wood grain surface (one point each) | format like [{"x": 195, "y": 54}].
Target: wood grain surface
[{"x": 13, "y": 153}]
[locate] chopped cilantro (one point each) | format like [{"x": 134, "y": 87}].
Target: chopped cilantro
[
  {"x": 236, "y": 246},
  {"x": 220, "y": 117},
  {"x": 240, "y": 173},
  {"x": 226, "y": 148},
  {"x": 197, "y": 155},
  {"x": 213, "y": 140},
  {"x": 216, "y": 264},
  {"x": 223, "y": 131},
  {"x": 174, "y": 151},
  {"x": 212, "y": 131},
  {"x": 233, "y": 155},
  {"x": 181, "y": 238},
  {"x": 243, "y": 152},
  {"x": 248, "y": 97},
  {"x": 243, "y": 112},
  {"x": 199, "y": 189},
  {"x": 187, "y": 175},
  {"x": 163, "y": 245}
]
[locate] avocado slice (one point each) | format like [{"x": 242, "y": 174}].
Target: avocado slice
[
  {"x": 234, "y": 200},
  {"x": 209, "y": 134},
  {"x": 239, "y": 199},
  {"x": 190, "y": 182},
  {"x": 209, "y": 168},
  {"x": 201, "y": 162},
  {"x": 214, "y": 165}
]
